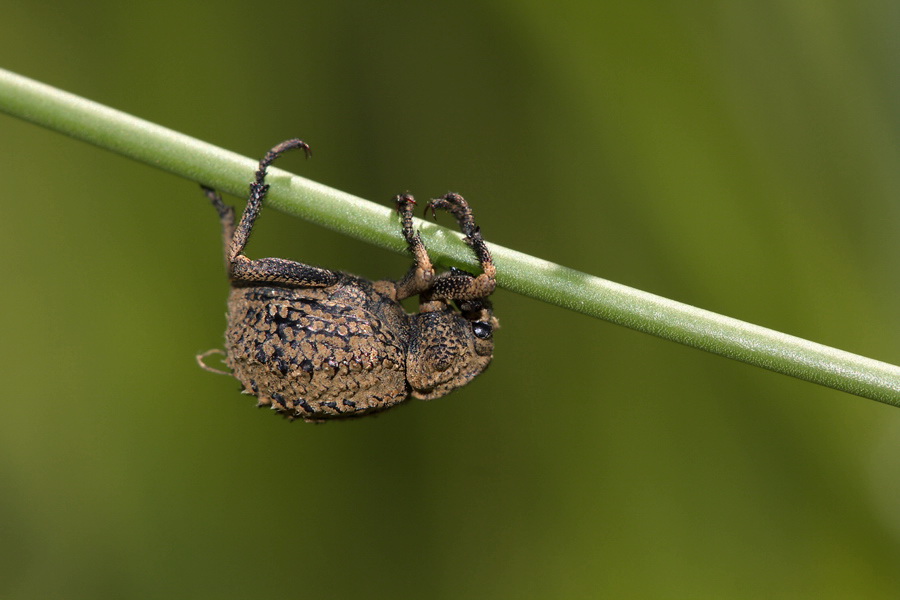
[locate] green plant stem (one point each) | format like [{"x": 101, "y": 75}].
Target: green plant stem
[{"x": 207, "y": 164}]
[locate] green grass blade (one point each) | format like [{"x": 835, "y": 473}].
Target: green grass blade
[{"x": 202, "y": 162}]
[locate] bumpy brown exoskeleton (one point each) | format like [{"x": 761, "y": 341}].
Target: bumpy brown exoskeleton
[{"x": 318, "y": 344}]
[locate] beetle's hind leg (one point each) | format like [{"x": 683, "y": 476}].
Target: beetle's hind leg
[
  {"x": 457, "y": 284},
  {"x": 258, "y": 190},
  {"x": 271, "y": 271},
  {"x": 226, "y": 216}
]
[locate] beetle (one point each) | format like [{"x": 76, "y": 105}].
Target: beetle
[{"x": 318, "y": 344}]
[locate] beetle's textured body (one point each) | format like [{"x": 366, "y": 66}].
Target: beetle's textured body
[
  {"x": 319, "y": 344},
  {"x": 319, "y": 353}
]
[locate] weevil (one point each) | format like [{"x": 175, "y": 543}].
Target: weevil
[{"x": 318, "y": 344}]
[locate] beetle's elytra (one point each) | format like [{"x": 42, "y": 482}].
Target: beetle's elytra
[{"x": 318, "y": 344}]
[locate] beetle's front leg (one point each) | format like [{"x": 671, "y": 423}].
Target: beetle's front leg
[
  {"x": 457, "y": 284},
  {"x": 421, "y": 274}
]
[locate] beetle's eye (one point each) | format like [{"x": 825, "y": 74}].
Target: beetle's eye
[{"x": 482, "y": 330}]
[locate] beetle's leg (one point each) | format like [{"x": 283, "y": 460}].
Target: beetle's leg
[
  {"x": 279, "y": 272},
  {"x": 457, "y": 284},
  {"x": 258, "y": 190},
  {"x": 421, "y": 273},
  {"x": 226, "y": 216},
  {"x": 201, "y": 360},
  {"x": 275, "y": 271}
]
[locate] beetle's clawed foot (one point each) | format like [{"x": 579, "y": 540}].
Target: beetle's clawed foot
[
  {"x": 457, "y": 206},
  {"x": 270, "y": 157},
  {"x": 454, "y": 204},
  {"x": 404, "y": 203}
]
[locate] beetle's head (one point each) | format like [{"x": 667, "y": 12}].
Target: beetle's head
[{"x": 449, "y": 348}]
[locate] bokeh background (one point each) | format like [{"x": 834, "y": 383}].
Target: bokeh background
[{"x": 740, "y": 156}]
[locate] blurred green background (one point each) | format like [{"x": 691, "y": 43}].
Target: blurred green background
[{"x": 739, "y": 156}]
